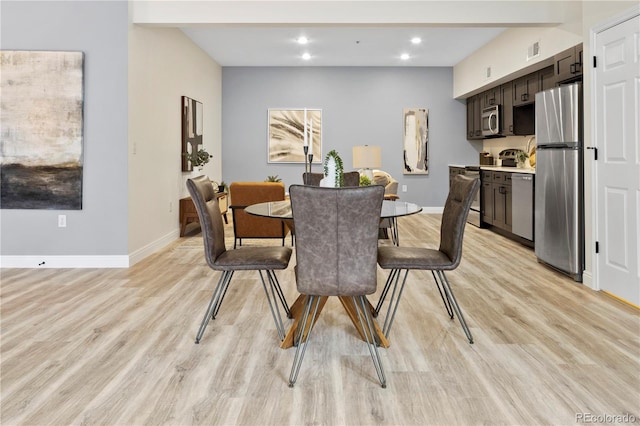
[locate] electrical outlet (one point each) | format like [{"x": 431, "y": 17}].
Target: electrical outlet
[
  {"x": 404, "y": 188},
  {"x": 62, "y": 221}
]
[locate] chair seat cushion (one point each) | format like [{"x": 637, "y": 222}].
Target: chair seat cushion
[
  {"x": 252, "y": 258},
  {"x": 413, "y": 258}
]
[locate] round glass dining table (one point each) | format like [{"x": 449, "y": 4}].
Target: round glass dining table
[{"x": 391, "y": 210}]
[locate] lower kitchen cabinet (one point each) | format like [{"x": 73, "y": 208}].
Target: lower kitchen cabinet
[
  {"x": 486, "y": 198},
  {"x": 496, "y": 199}
]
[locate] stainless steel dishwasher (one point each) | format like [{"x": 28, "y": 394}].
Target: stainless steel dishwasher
[{"x": 522, "y": 204}]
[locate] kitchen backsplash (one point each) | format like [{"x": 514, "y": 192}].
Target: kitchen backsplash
[{"x": 494, "y": 146}]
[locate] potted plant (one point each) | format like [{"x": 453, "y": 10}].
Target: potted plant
[
  {"x": 365, "y": 181},
  {"x": 333, "y": 170},
  {"x": 521, "y": 158},
  {"x": 221, "y": 186},
  {"x": 273, "y": 179},
  {"x": 198, "y": 158}
]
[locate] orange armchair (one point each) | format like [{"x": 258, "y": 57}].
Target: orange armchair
[{"x": 244, "y": 194}]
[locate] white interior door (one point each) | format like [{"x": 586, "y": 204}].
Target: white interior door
[{"x": 617, "y": 95}]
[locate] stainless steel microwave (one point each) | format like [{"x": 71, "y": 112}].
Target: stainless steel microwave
[{"x": 491, "y": 121}]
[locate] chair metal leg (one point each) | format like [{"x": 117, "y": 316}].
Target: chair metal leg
[
  {"x": 283, "y": 300},
  {"x": 443, "y": 296},
  {"x": 364, "y": 316},
  {"x": 214, "y": 303},
  {"x": 454, "y": 303},
  {"x": 302, "y": 340},
  {"x": 214, "y": 313},
  {"x": 385, "y": 290},
  {"x": 394, "y": 302},
  {"x": 275, "y": 312}
]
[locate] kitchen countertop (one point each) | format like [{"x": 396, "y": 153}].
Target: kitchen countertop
[
  {"x": 500, "y": 169},
  {"x": 508, "y": 169}
]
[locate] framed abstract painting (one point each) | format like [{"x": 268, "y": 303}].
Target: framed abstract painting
[
  {"x": 286, "y": 135},
  {"x": 415, "y": 141},
  {"x": 41, "y": 122}
]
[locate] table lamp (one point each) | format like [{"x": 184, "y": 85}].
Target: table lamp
[{"x": 366, "y": 158}]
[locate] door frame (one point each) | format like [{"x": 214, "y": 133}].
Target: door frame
[{"x": 595, "y": 205}]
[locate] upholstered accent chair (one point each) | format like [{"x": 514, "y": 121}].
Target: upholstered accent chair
[
  {"x": 446, "y": 258},
  {"x": 336, "y": 249},
  {"x": 385, "y": 179},
  {"x": 262, "y": 259},
  {"x": 244, "y": 194}
]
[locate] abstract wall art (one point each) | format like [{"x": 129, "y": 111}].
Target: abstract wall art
[
  {"x": 191, "y": 129},
  {"x": 286, "y": 135},
  {"x": 41, "y": 130},
  {"x": 415, "y": 141}
]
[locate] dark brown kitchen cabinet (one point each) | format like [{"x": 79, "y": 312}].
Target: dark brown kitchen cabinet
[
  {"x": 454, "y": 171},
  {"x": 491, "y": 97},
  {"x": 525, "y": 88},
  {"x": 568, "y": 64},
  {"x": 495, "y": 199},
  {"x": 474, "y": 130},
  {"x": 546, "y": 78},
  {"x": 486, "y": 198},
  {"x": 501, "y": 182},
  {"x": 507, "y": 109}
]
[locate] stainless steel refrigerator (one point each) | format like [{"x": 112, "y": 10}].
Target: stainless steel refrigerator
[{"x": 559, "y": 201}]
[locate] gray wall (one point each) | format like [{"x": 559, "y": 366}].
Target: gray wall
[
  {"x": 99, "y": 29},
  {"x": 359, "y": 106}
]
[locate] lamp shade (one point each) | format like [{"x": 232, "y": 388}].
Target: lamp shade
[{"x": 366, "y": 157}]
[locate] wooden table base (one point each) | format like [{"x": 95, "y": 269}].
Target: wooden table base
[{"x": 347, "y": 302}]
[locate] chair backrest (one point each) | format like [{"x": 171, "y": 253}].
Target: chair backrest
[
  {"x": 454, "y": 217},
  {"x": 336, "y": 239},
  {"x": 350, "y": 178},
  {"x": 204, "y": 198},
  {"x": 312, "y": 179},
  {"x": 244, "y": 194}
]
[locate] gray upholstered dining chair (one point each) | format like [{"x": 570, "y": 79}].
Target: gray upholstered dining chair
[
  {"x": 336, "y": 249},
  {"x": 446, "y": 258},
  {"x": 262, "y": 259},
  {"x": 350, "y": 178}
]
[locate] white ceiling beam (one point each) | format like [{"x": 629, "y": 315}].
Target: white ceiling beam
[{"x": 182, "y": 13}]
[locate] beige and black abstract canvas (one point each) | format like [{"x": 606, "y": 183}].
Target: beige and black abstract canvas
[
  {"x": 415, "y": 141},
  {"x": 286, "y": 135},
  {"x": 41, "y": 118}
]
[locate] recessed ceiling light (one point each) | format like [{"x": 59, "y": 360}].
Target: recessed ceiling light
[
  {"x": 416, "y": 40},
  {"x": 302, "y": 40},
  {"x": 404, "y": 56},
  {"x": 306, "y": 56}
]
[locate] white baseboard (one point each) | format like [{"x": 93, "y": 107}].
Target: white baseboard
[
  {"x": 64, "y": 261},
  {"x": 432, "y": 210},
  {"x": 587, "y": 279},
  {"x": 117, "y": 261},
  {"x": 153, "y": 247}
]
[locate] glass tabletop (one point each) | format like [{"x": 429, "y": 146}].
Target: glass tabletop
[{"x": 282, "y": 209}]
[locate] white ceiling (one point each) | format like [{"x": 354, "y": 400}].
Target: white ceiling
[{"x": 272, "y": 45}]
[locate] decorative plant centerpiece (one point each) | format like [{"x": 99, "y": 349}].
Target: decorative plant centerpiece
[
  {"x": 365, "y": 181},
  {"x": 333, "y": 170},
  {"x": 198, "y": 158}
]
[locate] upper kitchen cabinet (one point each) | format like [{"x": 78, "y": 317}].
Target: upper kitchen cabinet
[
  {"x": 525, "y": 88},
  {"x": 568, "y": 64},
  {"x": 491, "y": 97},
  {"x": 507, "y": 109},
  {"x": 474, "y": 130},
  {"x": 546, "y": 79}
]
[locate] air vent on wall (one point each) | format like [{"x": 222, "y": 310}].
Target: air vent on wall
[{"x": 533, "y": 51}]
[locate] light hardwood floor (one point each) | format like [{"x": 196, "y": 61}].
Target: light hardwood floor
[{"x": 115, "y": 347}]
